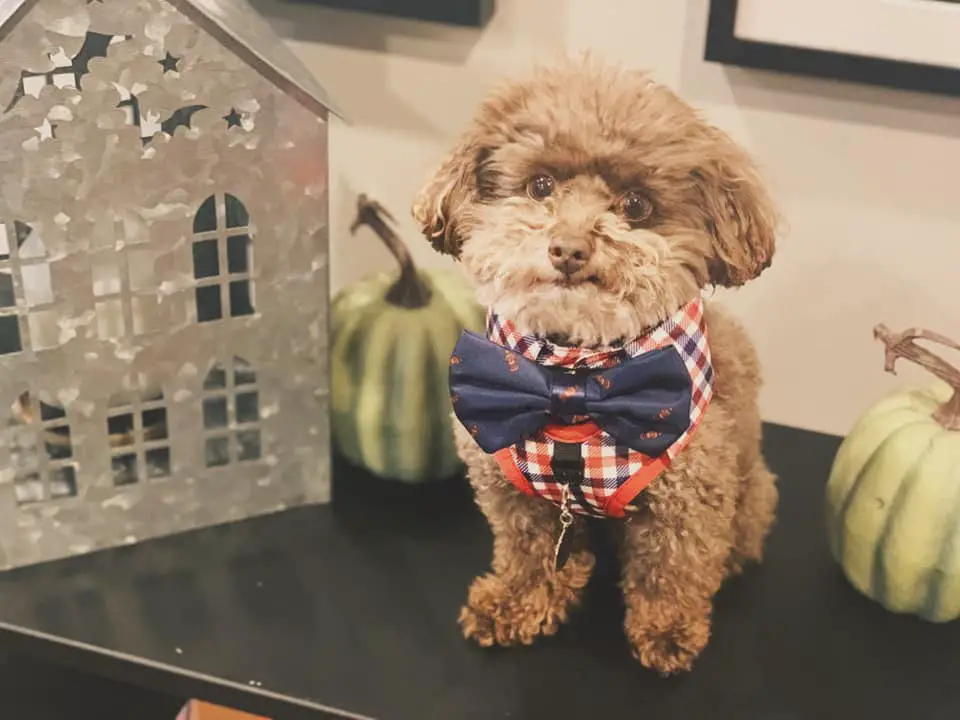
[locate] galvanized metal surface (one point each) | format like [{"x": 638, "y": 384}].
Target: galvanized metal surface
[
  {"x": 163, "y": 262},
  {"x": 241, "y": 29}
]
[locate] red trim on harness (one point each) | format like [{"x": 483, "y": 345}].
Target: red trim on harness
[
  {"x": 505, "y": 459},
  {"x": 572, "y": 433},
  {"x": 638, "y": 482}
]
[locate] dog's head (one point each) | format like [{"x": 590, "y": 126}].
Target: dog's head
[{"x": 590, "y": 203}]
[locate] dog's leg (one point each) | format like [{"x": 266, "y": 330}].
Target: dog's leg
[
  {"x": 675, "y": 551},
  {"x": 522, "y": 597},
  {"x": 755, "y": 515}
]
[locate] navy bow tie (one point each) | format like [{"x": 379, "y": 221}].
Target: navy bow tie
[{"x": 503, "y": 398}]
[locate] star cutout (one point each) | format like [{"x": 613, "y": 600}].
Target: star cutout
[
  {"x": 170, "y": 63},
  {"x": 234, "y": 119},
  {"x": 47, "y": 130}
]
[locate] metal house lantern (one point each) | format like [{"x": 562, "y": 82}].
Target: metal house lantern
[{"x": 163, "y": 273}]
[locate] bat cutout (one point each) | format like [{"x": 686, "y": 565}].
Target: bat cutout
[
  {"x": 69, "y": 75},
  {"x": 149, "y": 127},
  {"x": 181, "y": 117}
]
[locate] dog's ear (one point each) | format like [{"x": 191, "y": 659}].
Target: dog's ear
[
  {"x": 738, "y": 213},
  {"x": 438, "y": 207}
]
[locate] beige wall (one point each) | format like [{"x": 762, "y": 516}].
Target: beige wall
[{"x": 868, "y": 178}]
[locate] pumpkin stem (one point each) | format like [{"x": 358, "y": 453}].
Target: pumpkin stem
[
  {"x": 903, "y": 345},
  {"x": 409, "y": 291}
]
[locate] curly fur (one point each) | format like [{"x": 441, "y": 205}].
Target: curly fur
[{"x": 599, "y": 132}]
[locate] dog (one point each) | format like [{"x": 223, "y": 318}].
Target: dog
[{"x": 588, "y": 205}]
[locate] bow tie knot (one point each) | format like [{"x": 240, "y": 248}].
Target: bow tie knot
[
  {"x": 504, "y": 397},
  {"x": 568, "y": 395}
]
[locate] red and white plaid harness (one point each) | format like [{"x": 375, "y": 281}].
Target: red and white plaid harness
[{"x": 613, "y": 475}]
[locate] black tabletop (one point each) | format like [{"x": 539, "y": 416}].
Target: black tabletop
[{"x": 352, "y": 608}]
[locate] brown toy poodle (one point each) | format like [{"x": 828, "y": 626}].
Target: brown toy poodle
[{"x": 590, "y": 207}]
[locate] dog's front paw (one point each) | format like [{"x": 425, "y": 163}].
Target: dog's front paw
[
  {"x": 498, "y": 613},
  {"x": 667, "y": 640}
]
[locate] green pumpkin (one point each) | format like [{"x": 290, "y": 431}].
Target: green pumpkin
[
  {"x": 893, "y": 497},
  {"x": 392, "y": 335}
]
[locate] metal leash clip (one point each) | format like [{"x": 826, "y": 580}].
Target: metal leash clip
[{"x": 562, "y": 550}]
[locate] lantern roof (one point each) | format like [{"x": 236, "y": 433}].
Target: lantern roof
[{"x": 241, "y": 30}]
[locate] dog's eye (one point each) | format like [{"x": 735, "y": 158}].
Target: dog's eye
[
  {"x": 635, "y": 207},
  {"x": 540, "y": 187}
]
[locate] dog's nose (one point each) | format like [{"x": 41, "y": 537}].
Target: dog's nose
[{"x": 569, "y": 255}]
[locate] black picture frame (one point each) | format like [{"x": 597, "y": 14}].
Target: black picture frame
[
  {"x": 722, "y": 46},
  {"x": 465, "y": 13}
]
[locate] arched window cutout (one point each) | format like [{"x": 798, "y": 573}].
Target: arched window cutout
[
  {"x": 231, "y": 414},
  {"x": 237, "y": 216},
  {"x": 30, "y": 244},
  {"x": 206, "y": 218},
  {"x": 41, "y": 452},
  {"x": 139, "y": 437},
  {"x": 26, "y": 290},
  {"x": 7, "y": 297},
  {"x": 223, "y": 259},
  {"x": 124, "y": 288},
  {"x": 11, "y": 341}
]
